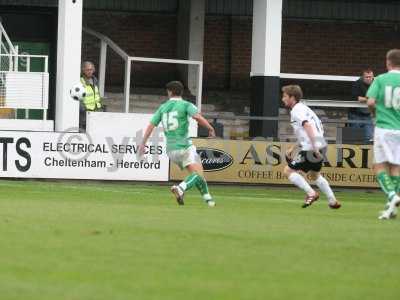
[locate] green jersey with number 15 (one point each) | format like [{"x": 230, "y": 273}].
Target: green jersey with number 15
[
  {"x": 385, "y": 89},
  {"x": 174, "y": 116}
]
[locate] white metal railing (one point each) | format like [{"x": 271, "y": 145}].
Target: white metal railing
[
  {"x": 104, "y": 43},
  {"x": 334, "y": 103},
  {"x": 22, "y": 62},
  {"x": 326, "y": 103},
  {"x": 20, "y": 88},
  {"x": 107, "y": 42},
  {"x": 199, "y": 65},
  {"x": 318, "y": 77},
  {"x": 7, "y": 47}
]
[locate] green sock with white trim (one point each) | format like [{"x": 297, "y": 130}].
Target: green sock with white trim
[
  {"x": 396, "y": 182},
  {"x": 202, "y": 186},
  {"x": 190, "y": 181},
  {"x": 386, "y": 184}
]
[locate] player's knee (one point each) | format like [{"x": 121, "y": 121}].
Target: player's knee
[
  {"x": 195, "y": 168},
  {"x": 395, "y": 170},
  {"x": 379, "y": 168}
]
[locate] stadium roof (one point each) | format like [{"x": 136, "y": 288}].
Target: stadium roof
[{"x": 358, "y": 10}]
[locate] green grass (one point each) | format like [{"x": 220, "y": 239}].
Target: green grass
[{"x": 97, "y": 241}]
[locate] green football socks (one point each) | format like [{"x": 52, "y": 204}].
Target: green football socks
[
  {"x": 386, "y": 184},
  {"x": 203, "y": 189},
  {"x": 396, "y": 182},
  {"x": 189, "y": 181},
  {"x": 195, "y": 179}
]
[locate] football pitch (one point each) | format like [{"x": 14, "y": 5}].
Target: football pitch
[{"x": 72, "y": 241}]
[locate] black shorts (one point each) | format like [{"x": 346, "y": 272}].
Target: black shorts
[{"x": 306, "y": 161}]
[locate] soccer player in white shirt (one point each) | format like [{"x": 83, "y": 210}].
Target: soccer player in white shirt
[{"x": 310, "y": 138}]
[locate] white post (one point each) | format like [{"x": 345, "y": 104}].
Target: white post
[
  {"x": 28, "y": 64},
  {"x": 10, "y": 62},
  {"x": 266, "y": 44},
  {"x": 102, "y": 67},
  {"x": 199, "y": 86},
  {"x": 16, "y": 59},
  {"x": 46, "y": 64},
  {"x": 266, "y": 65},
  {"x": 1, "y": 43},
  {"x": 127, "y": 83},
  {"x": 68, "y": 63},
  {"x": 196, "y": 40}
]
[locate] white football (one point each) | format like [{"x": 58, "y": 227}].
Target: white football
[{"x": 77, "y": 92}]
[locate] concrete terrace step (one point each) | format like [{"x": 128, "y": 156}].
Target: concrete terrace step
[
  {"x": 141, "y": 103},
  {"x": 233, "y": 128}
]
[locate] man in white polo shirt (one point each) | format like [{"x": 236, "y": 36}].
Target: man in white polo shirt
[{"x": 310, "y": 139}]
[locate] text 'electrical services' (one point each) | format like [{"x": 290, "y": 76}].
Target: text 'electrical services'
[{"x": 98, "y": 148}]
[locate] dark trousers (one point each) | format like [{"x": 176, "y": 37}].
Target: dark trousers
[
  {"x": 368, "y": 127},
  {"x": 82, "y": 116}
]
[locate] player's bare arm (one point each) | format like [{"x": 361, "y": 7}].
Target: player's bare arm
[
  {"x": 291, "y": 151},
  {"x": 308, "y": 127},
  {"x": 204, "y": 123},
  {"x": 371, "y": 105},
  {"x": 147, "y": 133},
  {"x": 371, "y": 102}
]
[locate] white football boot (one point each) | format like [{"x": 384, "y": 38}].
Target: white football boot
[
  {"x": 391, "y": 211},
  {"x": 178, "y": 193}
]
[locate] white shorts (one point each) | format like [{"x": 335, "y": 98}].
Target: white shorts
[
  {"x": 184, "y": 157},
  {"x": 387, "y": 146}
]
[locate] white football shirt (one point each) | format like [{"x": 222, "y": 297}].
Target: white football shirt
[{"x": 300, "y": 114}]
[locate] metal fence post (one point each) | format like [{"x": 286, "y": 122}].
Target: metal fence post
[
  {"x": 102, "y": 66},
  {"x": 127, "y": 84}
]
